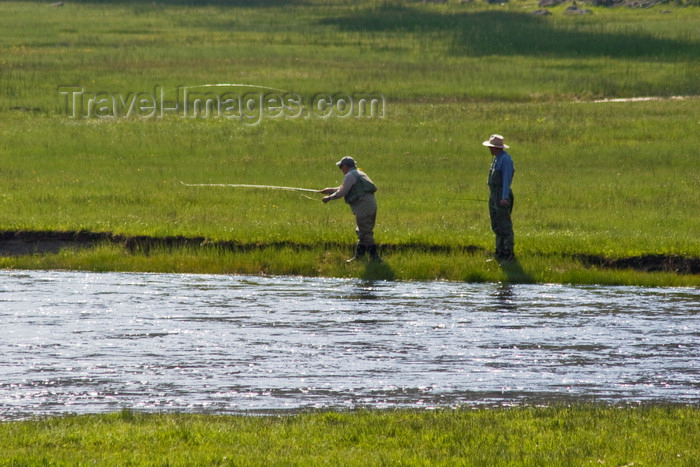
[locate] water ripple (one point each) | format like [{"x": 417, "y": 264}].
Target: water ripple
[{"x": 76, "y": 342}]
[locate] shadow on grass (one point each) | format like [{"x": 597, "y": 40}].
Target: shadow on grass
[
  {"x": 378, "y": 272},
  {"x": 516, "y": 274},
  {"x": 487, "y": 33}
]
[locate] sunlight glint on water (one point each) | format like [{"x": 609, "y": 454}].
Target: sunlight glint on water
[{"x": 96, "y": 342}]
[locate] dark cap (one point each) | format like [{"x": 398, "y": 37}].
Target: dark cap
[{"x": 347, "y": 160}]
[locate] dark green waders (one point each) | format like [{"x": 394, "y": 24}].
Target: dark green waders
[{"x": 501, "y": 223}]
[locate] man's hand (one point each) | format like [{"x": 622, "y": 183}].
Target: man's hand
[
  {"x": 326, "y": 199},
  {"x": 505, "y": 202},
  {"x": 328, "y": 191}
]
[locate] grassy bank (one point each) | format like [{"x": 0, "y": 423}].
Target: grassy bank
[
  {"x": 403, "y": 264},
  {"x": 561, "y": 435},
  {"x": 615, "y": 180}
]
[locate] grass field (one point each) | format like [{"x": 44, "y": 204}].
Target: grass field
[
  {"x": 543, "y": 436},
  {"x": 615, "y": 179}
]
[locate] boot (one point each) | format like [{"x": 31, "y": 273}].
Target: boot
[
  {"x": 360, "y": 251},
  {"x": 374, "y": 255},
  {"x": 505, "y": 256}
]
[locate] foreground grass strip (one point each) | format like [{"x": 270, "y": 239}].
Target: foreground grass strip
[{"x": 558, "y": 435}]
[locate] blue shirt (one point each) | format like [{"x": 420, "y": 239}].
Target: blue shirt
[{"x": 504, "y": 163}]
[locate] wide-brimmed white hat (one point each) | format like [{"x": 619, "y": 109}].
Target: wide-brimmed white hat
[{"x": 495, "y": 141}]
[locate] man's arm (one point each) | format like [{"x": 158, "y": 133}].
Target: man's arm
[
  {"x": 348, "y": 181},
  {"x": 507, "y": 175}
]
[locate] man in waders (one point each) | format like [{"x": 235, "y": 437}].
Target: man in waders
[
  {"x": 501, "y": 198},
  {"x": 358, "y": 191}
]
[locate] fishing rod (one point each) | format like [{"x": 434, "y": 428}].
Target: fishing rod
[
  {"x": 285, "y": 188},
  {"x": 241, "y": 185}
]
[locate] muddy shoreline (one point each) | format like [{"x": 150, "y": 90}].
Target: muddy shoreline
[{"x": 19, "y": 243}]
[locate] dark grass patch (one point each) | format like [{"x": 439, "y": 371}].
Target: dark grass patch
[{"x": 644, "y": 263}]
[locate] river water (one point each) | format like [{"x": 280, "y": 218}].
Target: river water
[{"x": 77, "y": 342}]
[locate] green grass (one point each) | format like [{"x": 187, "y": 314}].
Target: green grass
[
  {"x": 329, "y": 261},
  {"x": 558, "y": 435},
  {"x": 610, "y": 179}
]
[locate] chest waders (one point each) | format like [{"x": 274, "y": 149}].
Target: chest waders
[
  {"x": 365, "y": 210},
  {"x": 501, "y": 223}
]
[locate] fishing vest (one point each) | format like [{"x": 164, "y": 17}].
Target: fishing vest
[{"x": 362, "y": 186}]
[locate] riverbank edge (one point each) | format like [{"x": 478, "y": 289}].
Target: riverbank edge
[{"x": 18, "y": 244}]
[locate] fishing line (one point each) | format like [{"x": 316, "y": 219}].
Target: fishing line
[{"x": 242, "y": 185}]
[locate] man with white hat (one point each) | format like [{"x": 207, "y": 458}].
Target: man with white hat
[
  {"x": 358, "y": 191},
  {"x": 501, "y": 198}
]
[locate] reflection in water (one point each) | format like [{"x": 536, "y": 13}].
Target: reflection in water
[
  {"x": 365, "y": 291},
  {"x": 84, "y": 342},
  {"x": 505, "y": 297}
]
